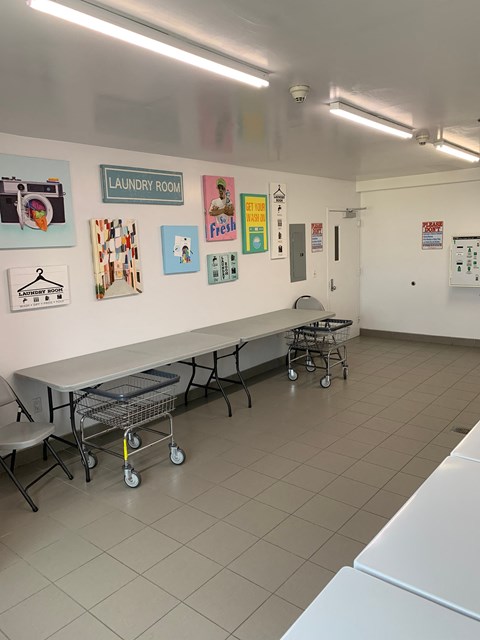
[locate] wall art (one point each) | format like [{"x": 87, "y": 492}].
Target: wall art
[
  {"x": 180, "y": 249},
  {"x": 219, "y": 208},
  {"x": 254, "y": 222}
]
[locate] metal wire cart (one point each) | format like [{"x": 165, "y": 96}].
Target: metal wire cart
[
  {"x": 321, "y": 342},
  {"x": 128, "y": 404}
]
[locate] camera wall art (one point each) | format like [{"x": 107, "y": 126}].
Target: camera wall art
[
  {"x": 116, "y": 261},
  {"x": 35, "y": 203}
]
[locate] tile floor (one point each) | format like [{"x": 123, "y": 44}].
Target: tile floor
[{"x": 269, "y": 505}]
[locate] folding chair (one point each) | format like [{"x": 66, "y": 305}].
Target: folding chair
[{"x": 15, "y": 436}]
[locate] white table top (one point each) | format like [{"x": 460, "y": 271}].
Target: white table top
[
  {"x": 432, "y": 545},
  {"x": 94, "y": 368},
  {"x": 469, "y": 447},
  {"x": 266, "y": 324},
  {"x": 355, "y": 606}
]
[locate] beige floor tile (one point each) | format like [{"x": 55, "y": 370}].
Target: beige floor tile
[
  {"x": 222, "y": 542},
  {"x": 185, "y": 487},
  {"x": 80, "y": 512},
  {"x": 17, "y": 582},
  {"x": 284, "y": 496},
  {"x": 148, "y": 601},
  {"x": 218, "y": 502},
  {"x": 434, "y": 453},
  {"x": 351, "y": 417},
  {"x": 326, "y": 512},
  {"x": 429, "y": 422},
  {"x": 298, "y": 536},
  {"x": 183, "y": 623},
  {"x": 297, "y": 451},
  {"x": 270, "y": 621},
  {"x": 305, "y": 584},
  {"x": 63, "y": 556},
  {"x": 146, "y": 505},
  {"x": 228, "y": 599},
  {"x": 332, "y": 462},
  {"x": 387, "y": 458},
  {"x": 401, "y": 444},
  {"x": 266, "y": 564},
  {"x": 7, "y": 557},
  {"x": 214, "y": 470},
  {"x": 368, "y": 473},
  {"x": 248, "y": 482},
  {"x": 385, "y": 425},
  {"x": 40, "y": 615},
  {"x": 350, "y": 448},
  {"x": 309, "y": 478},
  {"x": 413, "y": 432},
  {"x": 274, "y": 466},
  {"x": 144, "y": 549},
  {"x": 96, "y": 580},
  {"x": 243, "y": 456},
  {"x": 256, "y": 517},
  {"x": 183, "y": 572},
  {"x": 110, "y": 529},
  {"x": 363, "y": 526},
  {"x": 86, "y": 626},
  {"x": 349, "y": 491},
  {"x": 316, "y": 438},
  {"x": 47, "y": 531},
  {"x": 404, "y": 484},
  {"x": 420, "y": 467},
  {"x": 337, "y": 552},
  {"x": 369, "y": 436},
  {"x": 184, "y": 524},
  {"x": 385, "y": 504}
]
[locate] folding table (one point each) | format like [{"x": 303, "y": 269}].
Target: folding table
[
  {"x": 356, "y": 606},
  {"x": 469, "y": 447},
  {"x": 431, "y": 547}
]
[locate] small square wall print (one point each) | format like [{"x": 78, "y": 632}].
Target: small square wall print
[
  {"x": 116, "y": 260},
  {"x": 180, "y": 249}
]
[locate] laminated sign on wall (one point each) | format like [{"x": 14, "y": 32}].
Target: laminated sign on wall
[
  {"x": 37, "y": 287},
  {"x": 464, "y": 261},
  {"x": 432, "y": 235},
  {"x": 278, "y": 221}
]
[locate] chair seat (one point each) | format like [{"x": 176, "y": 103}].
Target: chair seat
[{"x": 22, "y": 435}]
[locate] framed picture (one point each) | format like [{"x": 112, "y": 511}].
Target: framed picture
[
  {"x": 219, "y": 208},
  {"x": 116, "y": 259},
  {"x": 35, "y": 203},
  {"x": 180, "y": 249},
  {"x": 254, "y": 222}
]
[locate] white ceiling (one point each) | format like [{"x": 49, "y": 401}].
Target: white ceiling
[{"x": 414, "y": 61}]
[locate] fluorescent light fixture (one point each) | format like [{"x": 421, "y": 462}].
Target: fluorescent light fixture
[
  {"x": 455, "y": 150},
  {"x": 369, "y": 120},
  {"x": 128, "y": 30}
]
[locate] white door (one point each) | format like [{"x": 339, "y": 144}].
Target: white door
[{"x": 343, "y": 242}]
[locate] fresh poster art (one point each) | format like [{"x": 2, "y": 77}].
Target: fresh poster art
[
  {"x": 116, "y": 261},
  {"x": 180, "y": 249},
  {"x": 35, "y": 203},
  {"x": 219, "y": 208}
]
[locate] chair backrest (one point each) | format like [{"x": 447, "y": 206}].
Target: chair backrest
[
  {"x": 308, "y": 302},
  {"x": 8, "y": 403}
]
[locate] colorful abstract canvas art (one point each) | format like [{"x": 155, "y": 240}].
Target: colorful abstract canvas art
[{"x": 116, "y": 259}]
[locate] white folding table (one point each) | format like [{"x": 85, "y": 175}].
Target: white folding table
[
  {"x": 356, "y": 606},
  {"x": 431, "y": 547},
  {"x": 469, "y": 447}
]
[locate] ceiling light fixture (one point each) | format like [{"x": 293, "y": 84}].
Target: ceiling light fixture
[
  {"x": 370, "y": 120},
  {"x": 456, "y": 151},
  {"x": 128, "y": 30}
]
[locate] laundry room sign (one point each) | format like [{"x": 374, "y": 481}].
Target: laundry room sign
[
  {"x": 37, "y": 287},
  {"x": 131, "y": 185}
]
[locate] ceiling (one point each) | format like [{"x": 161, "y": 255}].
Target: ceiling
[{"x": 413, "y": 61}]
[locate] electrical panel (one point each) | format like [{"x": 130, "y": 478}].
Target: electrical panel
[{"x": 465, "y": 261}]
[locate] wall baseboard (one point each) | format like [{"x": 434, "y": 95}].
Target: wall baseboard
[{"x": 418, "y": 337}]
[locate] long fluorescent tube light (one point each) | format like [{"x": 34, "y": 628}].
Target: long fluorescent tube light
[
  {"x": 369, "y": 120},
  {"x": 165, "y": 45},
  {"x": 455, "y": 150}
]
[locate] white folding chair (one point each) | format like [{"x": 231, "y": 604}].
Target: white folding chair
[{"x": 17, "y": 435}]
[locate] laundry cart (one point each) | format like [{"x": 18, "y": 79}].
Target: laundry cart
[
  {"x": 128, "y": 404},
  {"x": 320, "y": 345}
]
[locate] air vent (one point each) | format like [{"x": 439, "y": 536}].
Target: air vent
[{"x": 463, "y": 430}]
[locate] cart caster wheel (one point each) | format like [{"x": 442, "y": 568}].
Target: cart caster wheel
[
  {"x": 310, "y": 365},
  {"x": 325, "y": 382},
  {"x": 133, "y": 479},
  {"x": 92, "y": 460},
  {"x": 345, "y": 373},
  {"x": 134, "y": 441},
  {"x": 177, "y": 455},
  {"x": 292, "y": 375}
]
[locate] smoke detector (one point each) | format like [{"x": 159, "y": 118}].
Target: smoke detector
[
  {"x": 422, "y": 137},
  {"x": 299, "y": 92}
]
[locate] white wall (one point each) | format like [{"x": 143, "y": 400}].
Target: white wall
[
  {"x": 169, "y": 304},
  {"x": 392, "y": 257}
]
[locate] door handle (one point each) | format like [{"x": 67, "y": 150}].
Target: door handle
[{"x": 332, "y": 286}]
